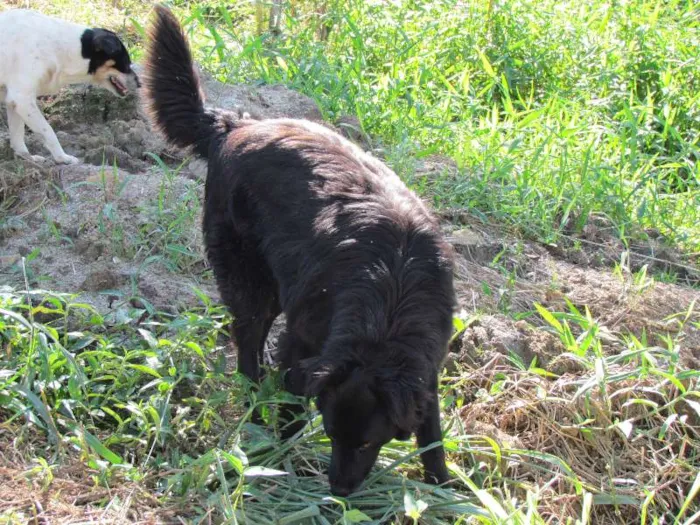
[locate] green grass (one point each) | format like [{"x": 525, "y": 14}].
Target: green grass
[
  {"x": 551, "y": 109},
  {"x": 142, "y": 398},
  {"x": 146, "y": 399}
]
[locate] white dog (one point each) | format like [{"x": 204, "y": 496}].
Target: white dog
[{"x": 38, "y": 56}]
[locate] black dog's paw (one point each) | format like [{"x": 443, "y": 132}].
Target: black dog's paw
[
  {"x": 288, "y": 431},
  {"x": 256, "y": 418},
  {"x": 439, "y": 477}
]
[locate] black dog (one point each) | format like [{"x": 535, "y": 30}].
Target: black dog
[{"x": 298, "y": 219}]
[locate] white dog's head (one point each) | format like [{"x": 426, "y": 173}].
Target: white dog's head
[{"x": 110, "y": 64}]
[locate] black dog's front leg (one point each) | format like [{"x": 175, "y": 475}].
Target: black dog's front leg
[
  {"x": 429, "y": 432},
  {"x": 293, "y": 383},
  {"x": 292, "y": 350},
  {"x": 250, "y": 338}
]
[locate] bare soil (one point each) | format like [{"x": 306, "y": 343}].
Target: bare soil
[
  {"x": 85, "y": 219},
  {"x": 497, "y": 273}
]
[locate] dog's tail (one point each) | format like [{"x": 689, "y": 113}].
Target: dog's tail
[{"x": 174, "y": 97}]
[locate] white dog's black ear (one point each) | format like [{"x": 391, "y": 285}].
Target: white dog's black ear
[{"x": 106, "y": 42}]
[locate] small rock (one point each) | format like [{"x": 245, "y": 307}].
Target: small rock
[
  {"x": 148, "y": 291},
  {"x": 63, "y": 137},
  {"x": 653, "y": 233},
  {"x": 88, "y": 249},
  {"x": 110, "y": 155},
  {"x": 481, "y": 428},
  {"x": 71, "y": 231},
  {"x": 138, "y": 303},
  {"x": 198, "y": 169},
  {"x": 100, "y": 280},
  {"x": 349, "y": 126},
  {"x": 99, "y": 137},
  {"x": 474, "y": 246},
  {"x": 495, "y": 333},
  {"x": 450, "y": 364},
  {"x": 8, "y": 260}
]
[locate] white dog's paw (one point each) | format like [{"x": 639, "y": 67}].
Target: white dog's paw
[
  {"x": 66, "y": 159},
  {"x": 38, "y": 159}
]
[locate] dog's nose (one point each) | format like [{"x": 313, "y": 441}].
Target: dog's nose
[{"x": 340, "y": 491}]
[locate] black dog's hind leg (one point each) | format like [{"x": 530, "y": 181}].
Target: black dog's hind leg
[
  {"x": 429, "y": 432},
  {"x": 247, "y": 287}
]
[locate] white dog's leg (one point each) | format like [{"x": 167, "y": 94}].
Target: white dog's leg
[
  {"x": 26, "y": 107},
  {"x": 15, "y": 125}
]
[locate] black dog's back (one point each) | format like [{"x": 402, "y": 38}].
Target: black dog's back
[{"x": 331, "y": 221}]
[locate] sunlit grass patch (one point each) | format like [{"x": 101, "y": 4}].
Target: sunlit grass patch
[{"x": 552, "y": 110}]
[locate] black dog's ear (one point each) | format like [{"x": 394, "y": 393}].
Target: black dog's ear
[
  {"x": 295, "y": 380},
  {"x": 106, "y": 42},
  {"x": 321, "y": 373},
  {"x": 403, "y": 404},
  {"x": 404, "y": 388}
]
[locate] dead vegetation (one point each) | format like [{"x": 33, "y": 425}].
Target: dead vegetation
[
  {"x": 33, "y": 492},
  {"x": 600, "y": 428}
]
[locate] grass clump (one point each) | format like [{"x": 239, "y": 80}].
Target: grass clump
[
  {"x": 146, "y": 401},
  {"x": 551, "y": 111},
  {"x": 620, "y": 413},
  {"x": 145, "y": 405}
]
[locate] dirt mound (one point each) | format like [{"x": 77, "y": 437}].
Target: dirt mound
[
  {"x": 120, "y": 228},
  {"x": 498, "y": 334},
  {"x": 98, "y": 128},
  {"x": 105, "y": 235},
  {"x": 497, "y": 272},
  {"x": 260, "y": 101}
]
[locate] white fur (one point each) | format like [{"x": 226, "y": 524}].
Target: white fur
[{"x": 38, "y": 56}]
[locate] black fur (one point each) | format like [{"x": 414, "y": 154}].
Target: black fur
[
  {"x": 177, "y": 101},
  {"x": 297, "y": 219},
  {"x": 100, "y": 45}
]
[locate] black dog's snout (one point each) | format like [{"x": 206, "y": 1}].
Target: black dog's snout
[
  {"x": 341, "y": 485},
  {"x": 340, "y": 491}
]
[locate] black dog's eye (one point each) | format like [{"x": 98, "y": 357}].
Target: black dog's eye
[{"x": 365, "y": 446}]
